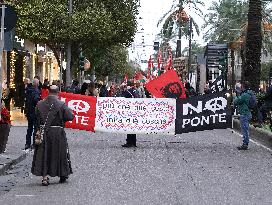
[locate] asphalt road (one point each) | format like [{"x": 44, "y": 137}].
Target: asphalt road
[{"x": 195, "y": 168}]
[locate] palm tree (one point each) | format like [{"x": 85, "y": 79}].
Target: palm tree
[
  {"x": 176, "y": 20},
  {"x": 252, "y": 64},
  {"x": 224, "y": 21}
]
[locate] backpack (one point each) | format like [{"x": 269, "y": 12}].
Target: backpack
[{"x": 252, "y": 102}]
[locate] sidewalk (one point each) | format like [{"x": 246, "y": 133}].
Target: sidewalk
[
  {"x": 16, "y": 142},
  {"x": 18, "y": 118}
]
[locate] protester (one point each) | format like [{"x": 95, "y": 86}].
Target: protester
[
  {"x": 242, "y": 102},
  {"x": 190, "y": 91},
  {"x": 46, "y": 83},
  {"x": 32, "y": 98},
  {"x": 6, "y": 96},
  {"x": 40, "y": 84},
  {"x": 238, "y": 88},
  {"x": 74, "y": 88},
  {"x": 111, "y": 91},
  {"x": 140, "y": 90},
  {"x": 103, "y": 91},
  {"x": 4, "y": 128},
  {"x": 147, "y": 93},
  {"x": 130, "y": 92},
  {"x": 118, "y": 91},
  {"x": 51, "y": 157},
  {"x": 44, "y": 91},
  {"x": 84, "y": 89},
  {"x": 92, "y": 90},
  {"x": 265, "y": 107},
  {"x": 207, "y": 89},
  {"x": 26, "y": 85}
]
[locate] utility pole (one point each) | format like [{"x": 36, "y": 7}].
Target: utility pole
[
  {"x": 190, "y": 47},
  {"x": 69, "y": 50}
]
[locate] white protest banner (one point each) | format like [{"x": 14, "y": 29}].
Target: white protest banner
[{"x": 136, "y": 115}]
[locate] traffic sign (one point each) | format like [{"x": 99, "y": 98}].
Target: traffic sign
[{"x": 10, "y": 17}]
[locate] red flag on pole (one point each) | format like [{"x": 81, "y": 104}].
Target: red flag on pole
[
  {"x": 167, "y": 85},
  {"x": 125, "y": 79},
  {"x": 159, "y": 60},
  {"x": 150, "y": 67},
  {"x": 169, "y": 64}
]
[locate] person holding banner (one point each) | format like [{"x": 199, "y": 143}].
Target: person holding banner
[
  {"x": 242, "y": 102},
  {"x": 130, "y": 92},
  {"x": 52, "y": 157}
]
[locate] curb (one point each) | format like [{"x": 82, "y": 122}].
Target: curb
[
  {"x": 258, "y": 134},
  {"x": 10, "y": 164}
]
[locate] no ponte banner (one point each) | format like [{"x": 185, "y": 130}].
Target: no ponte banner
[{"x": 205, "y": 112}]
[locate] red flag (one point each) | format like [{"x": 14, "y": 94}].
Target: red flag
[
  {"x": 167, "y": 85},
  {"x": 84, "y": 109},
  {"x": 138, "y": 76},
  {"x": 169, "y": 64},
  {"x": 159, "y": 60},
  {"x": 125, "y": 79},
  {"x": 150, "y": 68}
]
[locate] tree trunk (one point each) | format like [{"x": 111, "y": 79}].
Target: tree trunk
[
  {"x": 252, "y": 68},
  {"x": 178, "y": 49}
]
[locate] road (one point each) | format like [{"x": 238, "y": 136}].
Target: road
[{"x": 195, "y": 168}]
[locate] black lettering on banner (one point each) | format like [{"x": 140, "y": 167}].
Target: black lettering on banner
[{"x": 205, "y": 112}]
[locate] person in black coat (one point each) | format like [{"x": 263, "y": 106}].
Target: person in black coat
[
  {"x": 130, "y": 92},
  {"x": 32, "y": 98}
]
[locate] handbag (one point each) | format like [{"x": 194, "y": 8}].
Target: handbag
[{"x": 40, "y": 132}]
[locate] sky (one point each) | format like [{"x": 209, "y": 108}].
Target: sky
[{"x": 150, "y": 12}]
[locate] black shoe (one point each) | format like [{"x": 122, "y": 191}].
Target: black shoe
[
  {"x": 258, "y": 125},
  {"x": 243, "y": 147},
  {"x": 45, "y": 182},
  {"x": 63, "y": 179},
  {"x": 128, "y": 145},
  {"x": 27, "y": 147}
]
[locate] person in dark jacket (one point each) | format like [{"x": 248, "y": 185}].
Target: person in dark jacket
[
  {"x": 103, "y": 91},
  {"x": 74, "y": 88},
  {"x": 32, "y": 98},
  {"x": 51, "y": 157},
  {"x": 130, "y": 92},
  {"x": 242, "y": 102},
  {"x": 84, "y": 88},
  {"x": 190, "y": 91},
  {"x": 265, "y": 107},
  {"x": 40, "y": 83}
]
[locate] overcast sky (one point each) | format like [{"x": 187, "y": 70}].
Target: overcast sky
[{"x": 150, "y": 12}]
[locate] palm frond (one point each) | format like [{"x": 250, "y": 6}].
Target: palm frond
[{"x": 168, "y": 13}]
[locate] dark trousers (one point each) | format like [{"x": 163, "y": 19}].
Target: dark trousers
[
  {"x": 31, "y": 130},
  {"x": 131, "y": 139}
]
